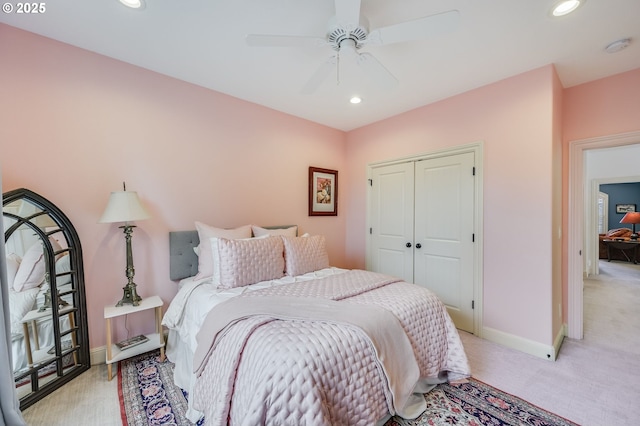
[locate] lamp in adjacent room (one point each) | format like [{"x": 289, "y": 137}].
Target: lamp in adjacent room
[
  {"x": 125, "y": 206},
  {"x": 632, "y": 218}
]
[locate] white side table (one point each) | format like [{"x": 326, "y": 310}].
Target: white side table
[
  {"x": 156, "y": 340},
  {"x": 31, "y": 319}
]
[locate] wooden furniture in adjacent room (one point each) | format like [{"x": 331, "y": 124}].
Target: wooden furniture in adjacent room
[
  {"x": 628, "y": 249},
  {"x": 612, "y": 234}
]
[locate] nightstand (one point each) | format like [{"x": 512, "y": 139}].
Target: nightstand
[
  {"x": 156, "y": 340},
  {"x": 31, "y": 319}
]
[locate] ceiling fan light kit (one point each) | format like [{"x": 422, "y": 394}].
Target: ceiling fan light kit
[{"x": 348, "y": 33}]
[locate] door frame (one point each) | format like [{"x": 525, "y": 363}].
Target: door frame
[
  {"x": 478, "y": 149},
  {"x": 576, "y": 222}
]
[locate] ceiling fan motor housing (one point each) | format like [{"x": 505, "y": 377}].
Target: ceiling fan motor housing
[{"x": 339, "y": 33}]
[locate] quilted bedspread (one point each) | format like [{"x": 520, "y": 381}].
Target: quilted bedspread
[{"x": 305, "y": 353}]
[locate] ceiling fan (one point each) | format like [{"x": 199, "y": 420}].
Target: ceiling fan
[{"x": 348, "y": 32}]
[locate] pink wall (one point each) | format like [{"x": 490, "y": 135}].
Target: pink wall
[
  {"x": 74, "y": 125},
  {"x": 514, "y": 119},
  {"x": 603, "y": 107}
]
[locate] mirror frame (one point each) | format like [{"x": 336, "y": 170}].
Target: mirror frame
[{"x": 74, "y": 251}]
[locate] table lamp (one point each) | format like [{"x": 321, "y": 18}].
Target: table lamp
[
  {"x": 125, "y": 206},
  {"x": 632, "y": 218}
]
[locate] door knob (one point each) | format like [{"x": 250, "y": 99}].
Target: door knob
[
  {"x": 418, "y": 245},
  {"x": 408, "y": 244}
]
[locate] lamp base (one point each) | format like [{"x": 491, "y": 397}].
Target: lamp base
[
  {"x": 634, "y": 236},
  {"x": 130, "y": 296},
  {"x": 48, "y": 302}
]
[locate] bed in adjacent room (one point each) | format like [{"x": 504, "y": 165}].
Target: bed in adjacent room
[{"x": 264, "y": 331}]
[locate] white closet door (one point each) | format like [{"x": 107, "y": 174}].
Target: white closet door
[
  {"x": 444, "y": 214},
  {"x": 391, "y": 220}
]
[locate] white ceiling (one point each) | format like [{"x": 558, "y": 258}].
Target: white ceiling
[{"x": 203, "y": 42}]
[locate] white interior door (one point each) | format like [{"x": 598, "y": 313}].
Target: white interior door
[
  {"x": 444, "y": 233},
  {"x": 391, "y": 220}
]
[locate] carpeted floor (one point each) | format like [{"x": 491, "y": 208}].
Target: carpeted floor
[{"x": 149, "y": 397}]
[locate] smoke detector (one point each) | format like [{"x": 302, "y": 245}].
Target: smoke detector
[{"x": 617, "y": 45}]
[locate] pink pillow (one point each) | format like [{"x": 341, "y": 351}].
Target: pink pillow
[
  {"x": 205, "y": 258},
  {"x": 244, "y": 262},
  {"x": 305, "y": 254}
]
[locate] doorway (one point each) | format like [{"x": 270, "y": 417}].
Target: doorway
[{"x": 577, "y": 219}]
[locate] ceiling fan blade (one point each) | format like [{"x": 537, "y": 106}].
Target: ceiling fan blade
[
  {"x": 284, "y": 40},
  {"x": 417, "y": 29},
  {"x": 348, "y": 13},
  {"x": 319, "y": 76},
  {"x": 377, "y": 71}
]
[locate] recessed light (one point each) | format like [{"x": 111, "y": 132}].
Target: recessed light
[
  {"x": 355, "y": 99},
  {"x": 617, "y": 45},
  {"x": 134, "y": 4},
  {"x": 564, "y": 7}
]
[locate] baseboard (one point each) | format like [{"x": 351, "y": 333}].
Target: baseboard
[
  {"x": 557, "y": 343},
  {"x": 98, "y": 355},
  {"x": 523, "y": 345}
]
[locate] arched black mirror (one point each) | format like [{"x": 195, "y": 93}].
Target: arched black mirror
[{"x": 49, "y": 334}]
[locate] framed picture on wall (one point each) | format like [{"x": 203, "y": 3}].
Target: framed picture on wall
[
  {"x": 323, "y": 192},
  {"x": 625, "y": 208}
]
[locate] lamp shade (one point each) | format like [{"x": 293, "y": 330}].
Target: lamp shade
[
  {"x": 124, "y": 206},
  {"x": 631, "y": 218}
]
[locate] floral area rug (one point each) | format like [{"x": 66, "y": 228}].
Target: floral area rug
[
  {"x": 147, "y": 393},
  {"x": 476, "y": 403},
  {"x": 149, "y": 397}
]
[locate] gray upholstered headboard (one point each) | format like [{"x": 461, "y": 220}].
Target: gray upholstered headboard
[{"x": 183, "y": 262}]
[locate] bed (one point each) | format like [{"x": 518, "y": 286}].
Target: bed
[{"x": 277, "y": 336}]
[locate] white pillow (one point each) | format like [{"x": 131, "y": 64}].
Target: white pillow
[
  {"x": 32, "y": 267},
  {"x": 13, "y": 264},
  {"x": 291, "y": 231},
  {"x": 248, "y": 261},
  {"x": 305, "y": 254},
  {"x": 205, "y": 265},
  {"x": 21, "y": 303}
]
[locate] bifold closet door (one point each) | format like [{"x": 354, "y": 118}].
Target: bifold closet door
[
  {"x": 391, "y": 220},
  {"x": 444, "y": 232}
]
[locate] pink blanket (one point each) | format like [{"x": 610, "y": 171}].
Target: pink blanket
[{"x": 295, "y": 355}]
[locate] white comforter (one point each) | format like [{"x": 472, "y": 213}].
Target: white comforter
[{"x": 328, "y": 371}]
